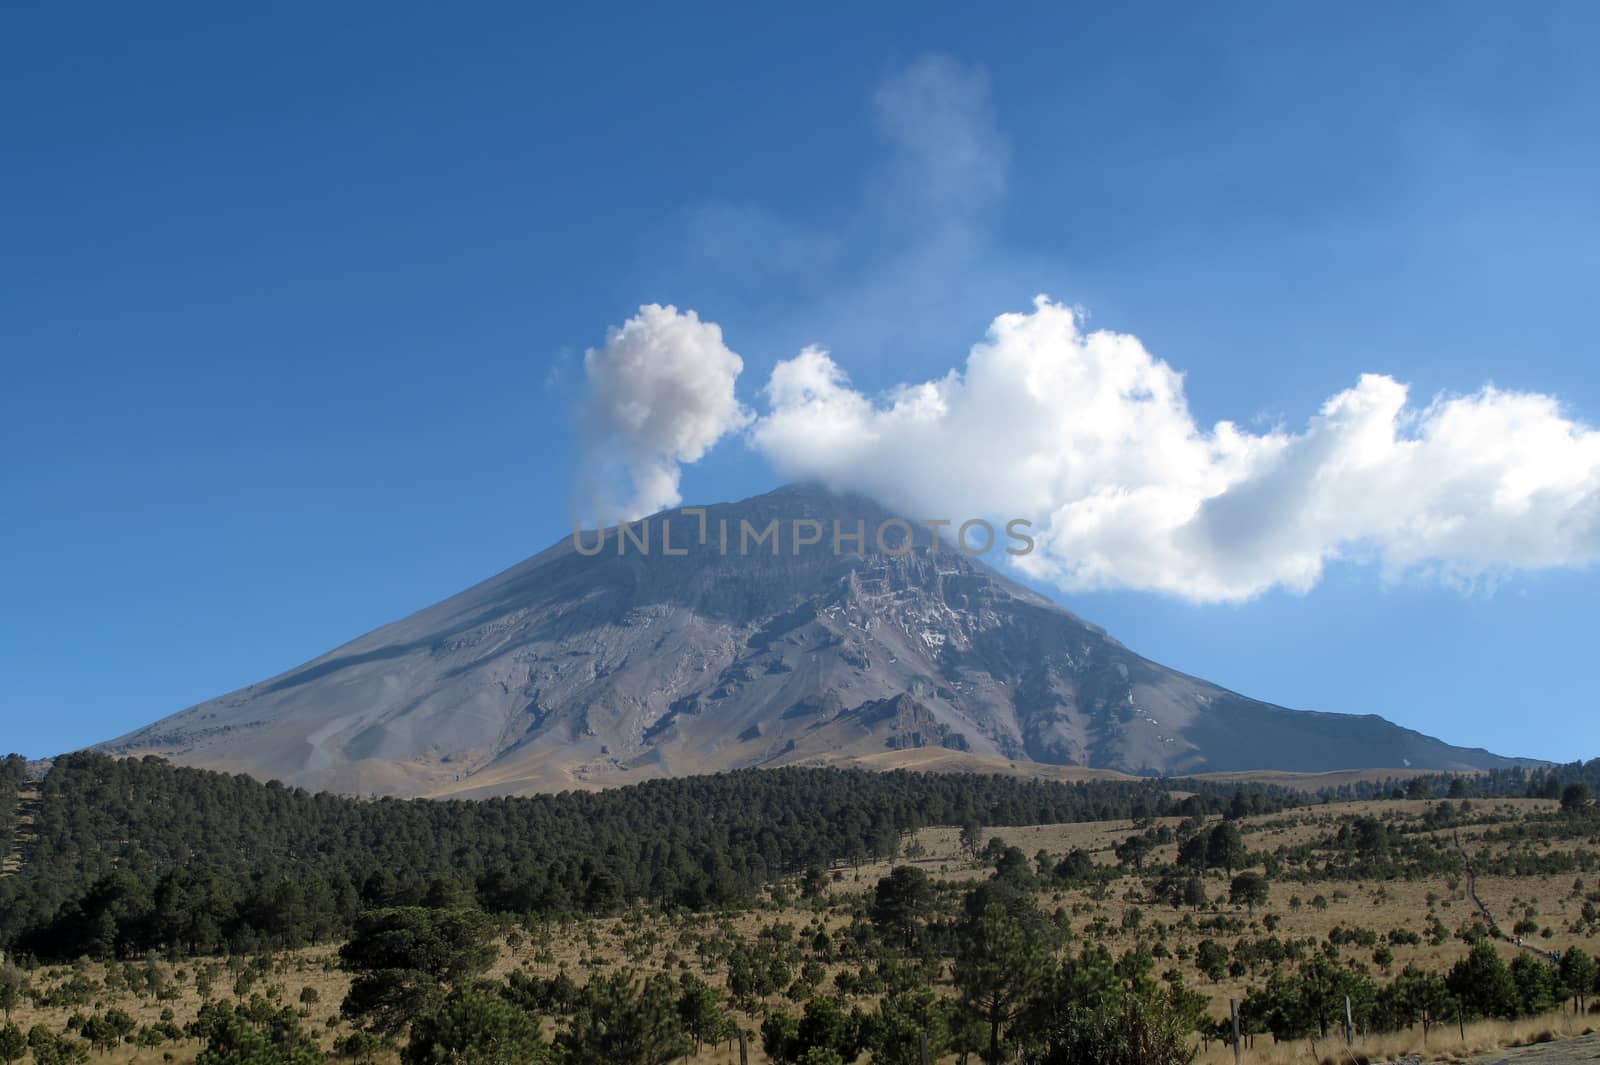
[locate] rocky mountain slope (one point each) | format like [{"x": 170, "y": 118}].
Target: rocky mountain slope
[{"x": 578, "y": 670}]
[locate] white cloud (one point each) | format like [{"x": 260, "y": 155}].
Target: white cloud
[
  {"x": 1085, "y": 433},
  {"x": 660, "y": 394},
  {"x": 1090, "y": 436}
]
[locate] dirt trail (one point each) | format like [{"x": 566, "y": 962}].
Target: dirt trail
[
  {"x": 1494, "y": 927},
  {"x": 1472, "y": 888}
]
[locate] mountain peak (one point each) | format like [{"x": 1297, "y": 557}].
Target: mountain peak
[{"x": 793, "y": 627}]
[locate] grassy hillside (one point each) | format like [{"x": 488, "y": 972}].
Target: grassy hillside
[
  {"x": 164, "y": 911},
  {"x": 1362, "y": 893}
]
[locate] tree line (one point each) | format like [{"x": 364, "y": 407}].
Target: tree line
[
  {"x": 1532, "y": 782},
  {"x": 133, "y": 855}
]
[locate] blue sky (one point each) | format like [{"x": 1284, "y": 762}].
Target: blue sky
[{"x": 294, "y": 301}]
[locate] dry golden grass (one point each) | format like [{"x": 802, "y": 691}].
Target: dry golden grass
[
  {"x": 648, "y": 942},
  {"x": 293, "y": 970}
]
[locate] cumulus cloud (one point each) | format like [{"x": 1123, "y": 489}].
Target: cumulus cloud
[
  {"x": 660, "y": 394},
  {"x": 1089, "y": 435},
  {"x": 1085, "y": 433}
]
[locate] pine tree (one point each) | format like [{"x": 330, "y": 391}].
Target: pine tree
[
  {"x": 619, "y": 1023},
  {"x": 1249, "y": 890},
  {"x": 901, "y": 904},
  {"x": 1579, "y": 976},
  {"x": 1001, "y": 960},
  {"x": 472, "y": 1027},
  {"x": 13, "y": 1044},
  {"x": 700, "y": 1010},
  {"x": 403, "y": 957}
]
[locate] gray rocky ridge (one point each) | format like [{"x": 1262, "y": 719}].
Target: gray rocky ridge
[{"x": 576, "y": 670}]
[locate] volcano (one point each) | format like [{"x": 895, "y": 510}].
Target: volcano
[{"x": 603, "y": 662}]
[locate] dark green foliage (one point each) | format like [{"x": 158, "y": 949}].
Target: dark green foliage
[
  {"x": 902, "y": 904},
  {"x": 757, "y": 970},
  {"x": 1225, "y": 847},
  {"x": 1536, "y": 981},
  {"x": 813, "y": 883},
  {"x": 1219, "y": 847},
  {"x": 12, "y": 986},
  {"x": 105, "y": 1031},
  {"x": 1418, "y": 997},
  {"x": 902, "y": 1016},
  {"x": 253, "y": 1034},
  {"x": 971, "y": 837},
  {"x": 475, "y": 1028},
  {"x": 446, "y": 945},
  {"x": 1092, "y": 1008},
  {"x": 617, "y": 1022},
  {"x": 779, "y": 1031},
  {"x": 1211, "y": 958},
  {"x": 1249, "y": 890},
  {"x": 1546, "y": 783},
  {"x": 1192, "y": 851},
  {"x": 1369, "y": 837},
  {"x": 13, "y": 1044},
  {"x": 1002, "y": 957},
  {"x": 402, "y": 957},
  {"x": 826, "y": 1031},
  {"x": 1484, "y": 984},
  {"x": 133, "y": 855},
  {"x": 13, "y": 774},
  {"x": 1310, "y": 1002},
  {"x": 1012, "y": 864},
  {"x": 701, "y": 1013},
  {"x": 1579, "y": 976},
  {"x": 1075, "y": 867},
  {"x": 51, "y": 1049},
  {"x": 1133, "y": 850},
  {"x": 360, "y": 1045},
  {"x": 1136, "y": 1028}
]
